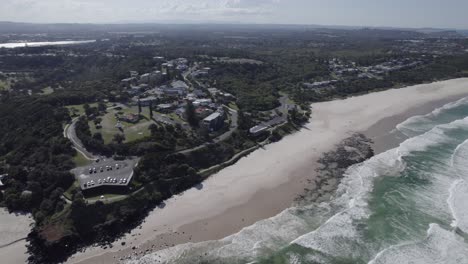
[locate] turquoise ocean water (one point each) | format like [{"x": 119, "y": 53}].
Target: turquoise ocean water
[{"x": 406, "y": 205}]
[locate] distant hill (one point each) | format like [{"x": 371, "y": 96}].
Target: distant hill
[{"x": 375, "y": 32}]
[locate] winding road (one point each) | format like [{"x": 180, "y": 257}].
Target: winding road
[{"x": 70, "y": 133}]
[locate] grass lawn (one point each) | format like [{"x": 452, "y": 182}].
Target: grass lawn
[
  {"x": 4, "y": 85},
  {"x": 234, "y": 106},
  {"x": 175, "y": 117},
  {"x": 68, "y": 192},
  {"x": 47, "y": 90},
  {"x": 131, "y": 131},
  {"x": 80, "y": 160}
]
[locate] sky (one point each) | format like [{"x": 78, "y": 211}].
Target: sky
[{"x": 394, "y": 13}]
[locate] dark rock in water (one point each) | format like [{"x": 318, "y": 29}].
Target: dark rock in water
[{"x": 333, "y": 165}]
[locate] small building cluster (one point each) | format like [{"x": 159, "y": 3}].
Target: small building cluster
[{"x": 168, "y": 96}]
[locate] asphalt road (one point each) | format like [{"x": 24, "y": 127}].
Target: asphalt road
[{"x": 70, "y": 133}]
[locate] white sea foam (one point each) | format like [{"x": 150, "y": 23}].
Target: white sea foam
[
  {"x": 440, "y": 246},
  {"x": 419, "y": 124},
  {"x": 332, "y": 229},
  {"x": 459, "y": 190}
]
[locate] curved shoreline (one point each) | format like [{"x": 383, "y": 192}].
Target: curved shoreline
[{"x": 256, "y": 187}]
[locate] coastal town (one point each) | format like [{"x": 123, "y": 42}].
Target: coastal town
[{"x": 127, "y": 140}]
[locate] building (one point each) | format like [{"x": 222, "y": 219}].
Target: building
[
  {"x": 214, "y": 121},
  {"x": 199, "y": 93},
  {"x": 213, "y": 91},
  {"x": 179, "y": 85},
  {"x": 148, "y": 100},
  {"x": 134, "y": 90},
  {"x": 1, "y": 178},
  {"x": 129, "y": 81},
  {"x": 165, "y": 108},
  {"x": 130, "y": 118},
  {"x": 202, "y": 102},
  {"x": 319, "y": 84},
  {"x": 258, "y": 130},
  {"x": 151, "y": 78}
]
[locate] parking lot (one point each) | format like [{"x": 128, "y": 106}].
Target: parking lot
[{"x": 106, "y": 172}]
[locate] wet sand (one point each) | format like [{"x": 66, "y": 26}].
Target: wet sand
[{"x": 268, "y": 180}]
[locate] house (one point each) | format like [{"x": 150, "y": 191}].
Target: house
[
  {"x": 203, "y": 111},
  {"x": 145, "y": 78},
  {"x": 179, "y": 85},
  {"x": 130, "y": 118},
  {"x": 148, "y": 100},
  {"x": 214, "y": 121},
  {"x": 175, "y": 89},
  {"x": 199, "y": 93},
  {"x": 165, "y": 108},
  {"x": 152, "y": 77},
  {"x": 202, "y": 102},
  {"x": 213, "y": 91},
  {"x": 135, "y": 90},
  {"x": 174, "y": 92},
  {"x": 129, "y": 81}
]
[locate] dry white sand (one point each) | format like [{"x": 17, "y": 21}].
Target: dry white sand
[
  {"x": 265, "y": 183},
  {"x": 13, "y": 229}
]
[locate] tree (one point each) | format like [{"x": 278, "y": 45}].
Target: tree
[
  {"x": 151, "y": 110},
  {"x": 87, "y": 109},
  {"x": 119, "y": 138},
  {"x": 98, "y": 136},
  {"x": 139, "y": 107},
  {"x": 191, "y": 115},
  {"x": 102, "y": 107}
]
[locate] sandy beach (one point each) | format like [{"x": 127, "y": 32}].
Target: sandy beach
[
  {"x": 13, "y": 229},
  {"x": 268, "y": 180}
]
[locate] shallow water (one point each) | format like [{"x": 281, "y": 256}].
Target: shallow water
[
  {"x": 406, "y": 205},
  {"x": 40, "y": 44}
]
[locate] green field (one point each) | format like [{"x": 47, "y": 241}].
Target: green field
[
  {"x": 4, "y": 85},
  {"x": 80, "y": 160},
  {"x": 131, "y": 131},
  {"x": 233, "y": 106},
  {"x": 47, "y": 90}
]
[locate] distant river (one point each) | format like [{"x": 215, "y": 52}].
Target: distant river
[{"x": 39, "y": 44}]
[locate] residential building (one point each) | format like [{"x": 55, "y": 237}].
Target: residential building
[
  {"x": 214, "y": 121},
  {"x": 165, "y": 108},
  {"x": 148, "y": 100},
  {"x": 202, "y": 102}
]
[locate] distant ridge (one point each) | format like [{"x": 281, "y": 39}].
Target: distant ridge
[{"x": 7, "y": 27}]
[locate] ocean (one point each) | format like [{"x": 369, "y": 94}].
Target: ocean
[{"x": 405, "y": 205}]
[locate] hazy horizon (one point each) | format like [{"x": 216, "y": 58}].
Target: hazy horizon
[{"x": 360, "y": 13}]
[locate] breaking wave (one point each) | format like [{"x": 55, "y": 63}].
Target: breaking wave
[{"x": 406, "y": 205}]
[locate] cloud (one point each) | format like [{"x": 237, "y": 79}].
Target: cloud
[{"x": 115, "y": 10}]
